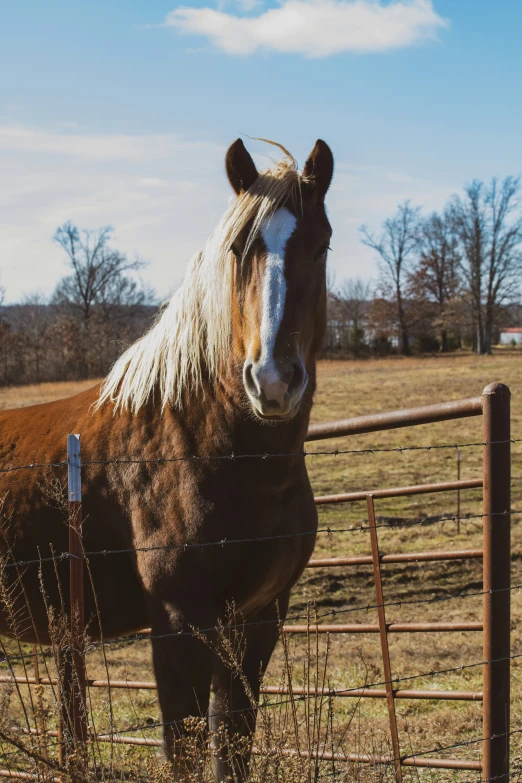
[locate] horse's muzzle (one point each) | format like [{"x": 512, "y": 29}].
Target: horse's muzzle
[{"x": 275, "y": 393}]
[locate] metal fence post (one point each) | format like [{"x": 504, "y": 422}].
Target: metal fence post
[
  {"x": 458, "y": 491},
  {"x": 383, "y": 633},
  {"x": 497, "y": 562},
  {"x": 78, "y": 676}
]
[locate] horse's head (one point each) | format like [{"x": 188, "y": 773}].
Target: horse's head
[
  {"x": 252, "y": 309},
  {"x": 280, "y": 285}
]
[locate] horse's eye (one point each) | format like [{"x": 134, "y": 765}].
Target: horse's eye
[
  {"x": 235, "y": 251},
  {"x": 321, "y": 254}
]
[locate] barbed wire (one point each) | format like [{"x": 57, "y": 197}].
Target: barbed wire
[
  {"x": 260, "y": 539},
  {"x": 454, "y": 746},
  {"x": 319, "y": 616},
  {"x": 465, "y": 743},
  {"x": 505, "y": 776},
  {"x": 263, "y": 456},
  {"x": 395, "y": 680},
  {"x": 130, "y": 639},
  {"x": 403, "y": 757},
  {"x": 378, "y": 761},
  {"x": 151, "y": 724}
]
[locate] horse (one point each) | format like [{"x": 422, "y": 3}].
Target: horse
[{"x": 227, "y": 373}]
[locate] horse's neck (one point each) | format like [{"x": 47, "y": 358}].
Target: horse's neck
[
  {"x": 256, "y": 437},
  {"x": 218, "y": 422}
]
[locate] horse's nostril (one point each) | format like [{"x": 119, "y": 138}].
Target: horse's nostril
[
  {"x": 297, "y": 377},
  {"x": 250, "y": 383},
  {"x": 288, "y": 376}
]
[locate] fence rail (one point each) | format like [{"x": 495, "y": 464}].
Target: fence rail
[{"x": 493, "y": 405}]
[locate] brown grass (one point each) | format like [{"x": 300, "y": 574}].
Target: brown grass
[
  {"x": 22, "y": 396},
  {"x": 348, "y": 389}
]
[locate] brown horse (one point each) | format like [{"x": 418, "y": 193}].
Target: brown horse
[{"x": 228, "y": 368}]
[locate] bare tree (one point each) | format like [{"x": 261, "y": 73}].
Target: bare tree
[
  {"x": 396, "y": 245},
  {"x": 504, "y": 257},
  {"x": 98, "y": 271},
  {"x": 5, "y": 339},
  {"x": 470, "y": 221},
  {"x": 436, "y": 277},
  {"x": 489, "y": 223},
  {"x": 99, "y": 295},
  {"x": 354, "y": 296},
  {"x": 348, "y": 305},
  {"x": 33, "y": 323}
]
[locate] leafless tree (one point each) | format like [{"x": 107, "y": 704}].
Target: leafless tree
[
  {"x": 5, "y": 339},
  {"x": 489, "y": 223},
  {"x": 33, "y": 323},
  {"x": 470, "y": 221},
  {"x": 436, "y": 277},
  {"x": 98, "y": 272},
  {"x": 396, "y": 246},
  {"x": 504, "y": 257},
  {"x": 348, "y": 305},
  {"x": 354, "y": 296},
  {"x": 100, "y": 295}
]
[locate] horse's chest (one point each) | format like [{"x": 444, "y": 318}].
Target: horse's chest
[
  {"x": 278, "y": 535},
  {"x": 248, "y": 534}
]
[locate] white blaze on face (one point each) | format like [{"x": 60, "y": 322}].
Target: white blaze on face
[{"x": 276, "y": 231}]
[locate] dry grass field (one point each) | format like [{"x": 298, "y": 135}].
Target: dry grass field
[
  {"x": 21, "y": 396},
  {"x": 347, "y": 389}
]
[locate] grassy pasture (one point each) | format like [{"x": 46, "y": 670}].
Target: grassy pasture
[
  {"x": 34, "y": 394},
  {"x": 345, "y": 389}
]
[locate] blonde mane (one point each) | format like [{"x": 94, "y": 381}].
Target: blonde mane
[{"x": 193, "y": 329}]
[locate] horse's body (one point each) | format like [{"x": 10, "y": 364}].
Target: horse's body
[
  {"x": 145, "y": 504},
  {"x": 176, "y": 503}
]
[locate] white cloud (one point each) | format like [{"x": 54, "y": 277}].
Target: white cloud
[
  {"x": 315, "y": 28},
  {"x": 93, "y": 147}
]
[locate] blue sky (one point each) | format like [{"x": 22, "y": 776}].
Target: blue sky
[{"x": 120, "y": 112}]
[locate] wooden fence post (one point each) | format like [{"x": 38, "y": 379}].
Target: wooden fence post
[{"x": 77, "y": 685}]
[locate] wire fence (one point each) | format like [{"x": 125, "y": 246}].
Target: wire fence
[
  {"x": 496, "y": 507},
  {"x": 140, "y": 637},
  {"x": 262, "y": 456},
  {"x": 331, "y": 692},
  {"x": 85, "y": 555}
]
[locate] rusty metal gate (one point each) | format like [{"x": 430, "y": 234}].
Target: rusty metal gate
[{"x": 494, "y": 407}]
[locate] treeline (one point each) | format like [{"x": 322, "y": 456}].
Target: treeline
[
  {"x": 95, "y": 311},
  {"x": 448, "y": 280}
]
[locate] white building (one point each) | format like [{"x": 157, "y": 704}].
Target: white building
[{"x": 510, "y": 336}]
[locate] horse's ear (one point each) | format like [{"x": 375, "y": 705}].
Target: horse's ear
[
  {"x": 241, "y": 169},
  {"x": 318, "y": 170}
]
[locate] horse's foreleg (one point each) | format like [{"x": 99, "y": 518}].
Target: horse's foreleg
[
  {"x": 183, "y": 669},
  {"x": 235, "y": 685}
]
